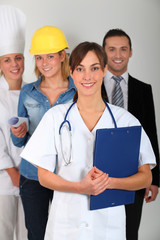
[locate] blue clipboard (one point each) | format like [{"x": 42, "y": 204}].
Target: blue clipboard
[{"x": 116, "y": 153}]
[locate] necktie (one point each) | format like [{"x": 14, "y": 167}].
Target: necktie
[{"x": 117, "y": 98}]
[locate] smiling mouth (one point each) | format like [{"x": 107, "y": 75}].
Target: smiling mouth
[
  {"x": 46, "y": 69},
  {"x": 87, "y": 85},
  {"x": 117, "y": 61},
  {"x": 15, "y": 71}
]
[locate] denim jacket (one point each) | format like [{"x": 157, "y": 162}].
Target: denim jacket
[{"x": 33, "y": 104}]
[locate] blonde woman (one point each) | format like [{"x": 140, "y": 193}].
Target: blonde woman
[
  {"x": 54, "y": 86},
  {"x": 12, "y": 41}
]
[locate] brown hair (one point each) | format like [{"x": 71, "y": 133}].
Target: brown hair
[
  {"x": 116, "y": 33},
  {"x": 80, "y": 52},
  {"x": 82, "y": 49}
]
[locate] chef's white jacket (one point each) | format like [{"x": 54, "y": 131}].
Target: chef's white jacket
[
  {"x": 9, "y": 154},
  {"x": 70, "y": 217}
]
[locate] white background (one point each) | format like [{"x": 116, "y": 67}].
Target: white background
[{"x": 90, "y": 20}]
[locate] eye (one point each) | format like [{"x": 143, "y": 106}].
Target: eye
[
  {"x": 19, "y": 58},
  {"x": 124, "y": 49},
  {"x": 50, "y": 56},
  {"x": 95, "y": 69},
  {"x": 38, "y": 57},
  {"x": 79, "y": 69},
  {"x": 7, "y": 60},
  {"x": 111, "y": 49}
]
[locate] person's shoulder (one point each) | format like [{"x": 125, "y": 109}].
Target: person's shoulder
[
  {"x": 123, "y": 116},
  {"x": 59, "y": 109},
  {"x": 29, "y": 86},
  {"x": 138, "y": 82},
  {"x": 71, "y": 83}
]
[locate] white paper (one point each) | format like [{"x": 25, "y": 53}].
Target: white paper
[{"x": 17, "y": 121}]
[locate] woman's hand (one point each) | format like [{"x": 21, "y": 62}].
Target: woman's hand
[
  {"x": 14, "y": 175},
  {"x": 19, "y": 131},
  {"x": 94, "y": 183}
]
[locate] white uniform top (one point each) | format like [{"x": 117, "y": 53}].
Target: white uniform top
[
  {"x": 9, "y": 154},
  {"x": 70, "y": 217}
]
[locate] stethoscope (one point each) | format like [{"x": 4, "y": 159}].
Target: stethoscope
[{"x": 68, "y": 161}]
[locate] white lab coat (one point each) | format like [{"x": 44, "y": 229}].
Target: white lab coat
[
  {"x": 9, "y": 154},
  {"x": 70, "y": 217}
]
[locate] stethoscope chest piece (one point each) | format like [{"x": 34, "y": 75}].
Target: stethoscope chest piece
[
  {"x": 66, "y": 143},
  {"x": 66, "y": 138}
]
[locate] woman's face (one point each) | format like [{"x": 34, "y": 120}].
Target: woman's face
[
  {"x": 12, "y": 66},
  {"x": 88, "y": 75},
  {"x": 50, "y": 64}
]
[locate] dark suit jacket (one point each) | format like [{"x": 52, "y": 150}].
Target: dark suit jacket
[{"x": 140, "y": 104}]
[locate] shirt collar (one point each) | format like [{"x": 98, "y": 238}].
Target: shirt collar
[
  {"x": 4, "y": 84},
  {"x": 109, "y": 75},
  {"x": 36, "y": 84},
  {"x": 70, "y": 86}
]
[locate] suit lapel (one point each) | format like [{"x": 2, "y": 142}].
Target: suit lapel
[{"x": 104, "y": 93}]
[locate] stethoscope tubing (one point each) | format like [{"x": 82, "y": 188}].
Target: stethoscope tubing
[{"x": 69, "y": 128}]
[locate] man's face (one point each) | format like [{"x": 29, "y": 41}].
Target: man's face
[{"x": 118, "y": 53}]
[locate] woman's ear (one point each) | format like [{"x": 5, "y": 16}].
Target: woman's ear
[{"x": 63, "y": 54}]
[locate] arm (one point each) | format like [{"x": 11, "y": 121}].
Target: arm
[
  {"x": 151, "y": 131},
  {"x": 19, "y": 135},
  {"x": 5, "y": 159},
  {"x": 14, "y": 175},
  {"x": 152, "y": 191},
  {"x": 6, "y": 162},
  {"x": 89, "y": 184},
  {"x": 95, "y": 182},
  {"x": 141, "y": 105},
  {"x": 141, "y": 179}
]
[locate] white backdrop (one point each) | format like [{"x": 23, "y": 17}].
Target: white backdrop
[{"x": 90, "y": 20}]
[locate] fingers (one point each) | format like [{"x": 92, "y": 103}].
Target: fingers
[
  {"x": 101, "y": 183},
  {"x": 151, "y": 193},
  {"x": 97, "y": 173},
  {"x": 94, "y": 183},
  {"x": 19, "y": 131}
]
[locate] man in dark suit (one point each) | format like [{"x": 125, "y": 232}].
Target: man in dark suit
[{"x": 138, "y": 100}]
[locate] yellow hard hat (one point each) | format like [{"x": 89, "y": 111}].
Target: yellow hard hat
[{"x": 47, "y": 40}]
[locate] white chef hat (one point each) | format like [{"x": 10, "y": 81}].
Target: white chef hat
[{"x": 12, "y": 30}]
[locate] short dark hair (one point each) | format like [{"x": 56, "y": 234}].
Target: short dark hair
[
  {"x": 81, "y": 51},
  {"x": 114, "y": 33}
]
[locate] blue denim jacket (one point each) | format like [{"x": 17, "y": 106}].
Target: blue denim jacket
[{"x": 33, "y": 104}]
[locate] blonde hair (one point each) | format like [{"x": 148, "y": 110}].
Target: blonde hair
[
  {"x": 1, "y": 73},
  {"x": 64, "y": 67}
]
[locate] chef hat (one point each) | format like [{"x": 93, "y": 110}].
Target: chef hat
[{"x": 12, "y": 30}]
